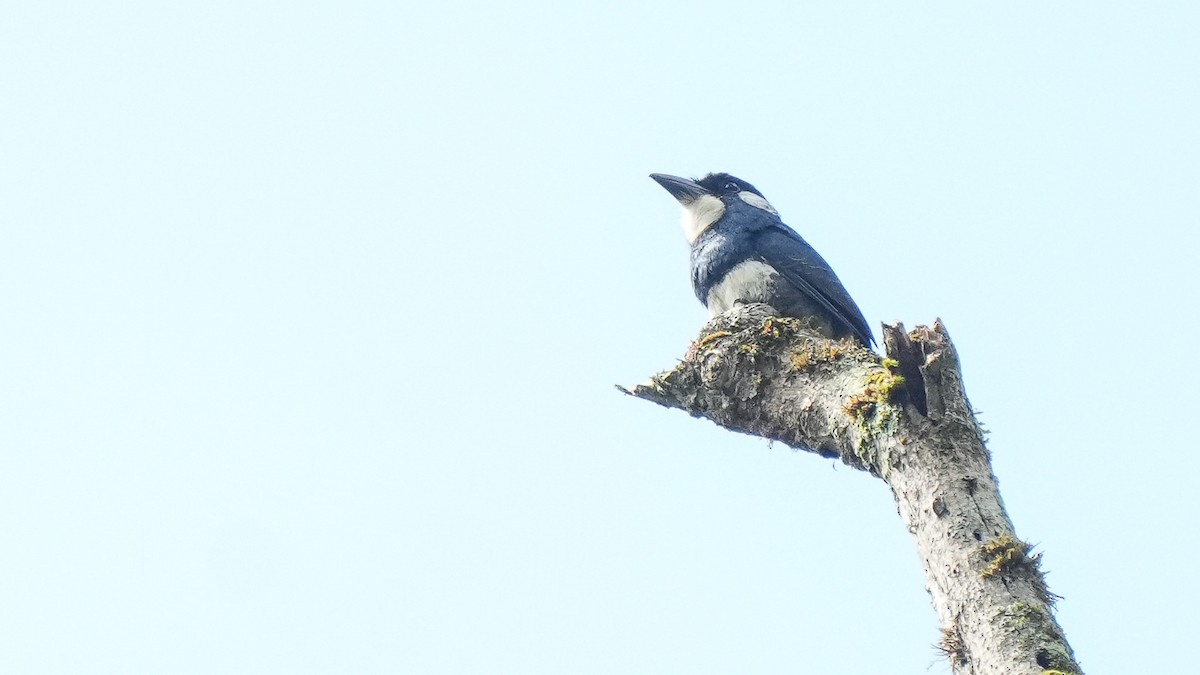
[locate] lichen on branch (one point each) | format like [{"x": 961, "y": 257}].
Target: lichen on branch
[{"x": 906, "y": 419}]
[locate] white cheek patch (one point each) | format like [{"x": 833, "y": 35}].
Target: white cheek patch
[
  {"x": 749, "y": 282},
  {"x": 757, "y": 202},
  {"x": 700, "y": 215}
]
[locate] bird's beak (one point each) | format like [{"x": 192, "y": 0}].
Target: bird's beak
[{"x": 685, "y": 190}]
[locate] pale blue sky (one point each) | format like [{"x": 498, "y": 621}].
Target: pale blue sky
[{"x": 312, "y": 313}]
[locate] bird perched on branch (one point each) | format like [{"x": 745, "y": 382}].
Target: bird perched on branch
[{"x": 743, "y": 252}]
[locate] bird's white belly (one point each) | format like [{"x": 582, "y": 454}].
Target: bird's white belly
[{"x": 749, "y": 281}]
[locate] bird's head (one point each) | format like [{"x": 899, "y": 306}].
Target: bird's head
[{"x": 707, "y": 200}]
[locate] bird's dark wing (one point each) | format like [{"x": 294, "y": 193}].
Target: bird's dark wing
[{"x": 791, "y": 256}]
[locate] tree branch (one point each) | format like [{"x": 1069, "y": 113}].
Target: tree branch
[{"x": 905, "y": 419}]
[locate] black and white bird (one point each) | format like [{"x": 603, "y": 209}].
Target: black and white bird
[{"x": 743, "y": 252}]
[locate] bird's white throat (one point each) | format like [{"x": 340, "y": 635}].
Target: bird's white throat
[{"x": 699, "y": 215}]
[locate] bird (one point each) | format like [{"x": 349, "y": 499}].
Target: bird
[{"x": 742, "y": 252}]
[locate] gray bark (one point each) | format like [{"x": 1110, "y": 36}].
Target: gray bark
[{"x": 905, "y": 419}]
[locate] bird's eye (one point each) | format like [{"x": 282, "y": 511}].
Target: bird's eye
[{"x": 732, "y": 187}]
